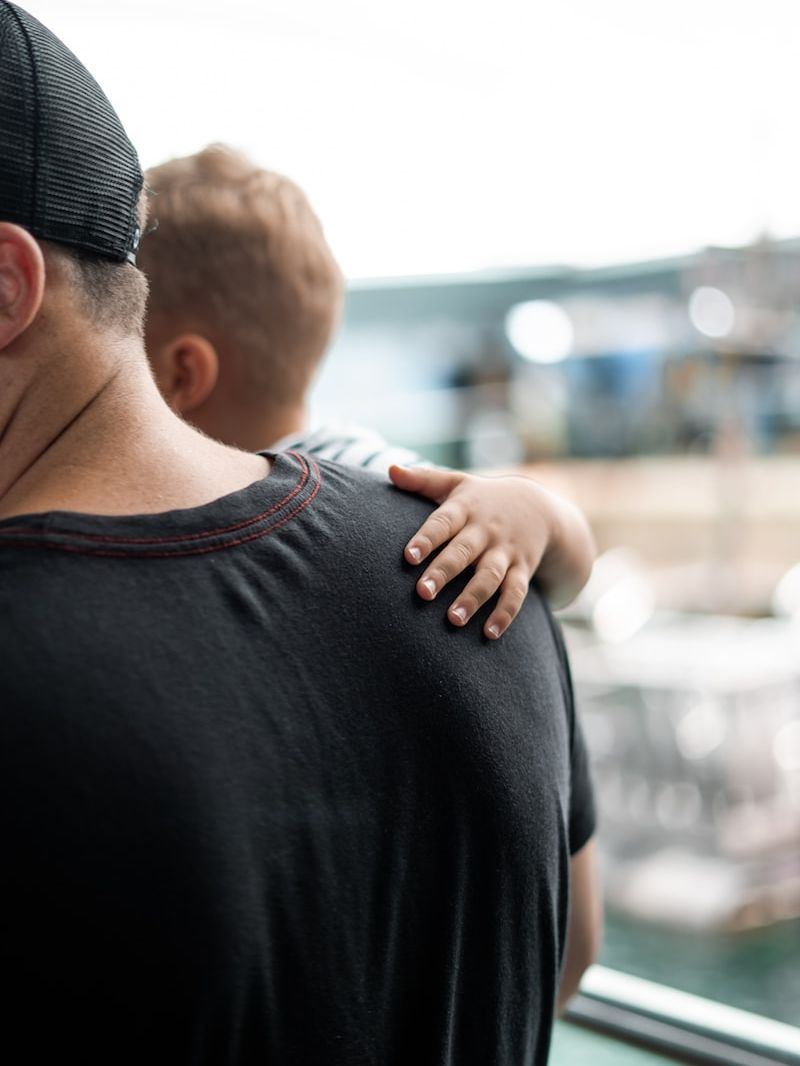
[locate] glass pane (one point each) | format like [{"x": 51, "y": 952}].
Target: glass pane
[{"x": 686, "y": 644}]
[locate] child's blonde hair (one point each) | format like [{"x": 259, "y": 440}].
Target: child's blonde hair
[{"x": 239, "y": 256}]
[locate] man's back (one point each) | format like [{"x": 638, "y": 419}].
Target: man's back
[{"x": 269, "y": 806}]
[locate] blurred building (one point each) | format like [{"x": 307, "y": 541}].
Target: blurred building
[
  {"x": 667, "y": 393},
  {"x": 656, "y": 358}
]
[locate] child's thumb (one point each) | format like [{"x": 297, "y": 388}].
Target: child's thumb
[{"x": 431, "y": 483}]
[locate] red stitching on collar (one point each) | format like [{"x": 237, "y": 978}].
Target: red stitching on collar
[{"x": 41, "y": 540}]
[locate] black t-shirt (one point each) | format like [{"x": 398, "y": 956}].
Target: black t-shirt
[{"x": 261, "y": 804}]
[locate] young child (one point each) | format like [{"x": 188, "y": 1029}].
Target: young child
[{"x": 244, "y": 297}]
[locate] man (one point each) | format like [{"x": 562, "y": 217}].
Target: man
[{"x": 256, "y": 806}]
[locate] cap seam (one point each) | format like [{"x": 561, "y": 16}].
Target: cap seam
[{"x": 33, "y": 212}]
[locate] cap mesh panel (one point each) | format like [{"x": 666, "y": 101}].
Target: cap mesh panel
[{"x": 68, "y": 172}]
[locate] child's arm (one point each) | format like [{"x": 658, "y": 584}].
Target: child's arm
[{"x": 508, "y": 528}]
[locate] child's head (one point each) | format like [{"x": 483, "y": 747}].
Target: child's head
[{"x": 244, "y": 294}]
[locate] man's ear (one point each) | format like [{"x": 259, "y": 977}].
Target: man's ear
[
  {"x": 21, "y": 281},
  {"x": 186, "y": 370}
]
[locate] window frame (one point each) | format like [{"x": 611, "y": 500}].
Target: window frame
[{"x": 695, "y": 1029}]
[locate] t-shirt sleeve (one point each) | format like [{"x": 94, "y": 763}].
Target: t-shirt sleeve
[
  {"x": 582, "y": 816},
  {"x": 582, "y": 813}
]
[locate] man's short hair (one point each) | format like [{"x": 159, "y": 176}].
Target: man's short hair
[
  {"x": 112, "y": 295},
  {"x": 239, "y": 256}
]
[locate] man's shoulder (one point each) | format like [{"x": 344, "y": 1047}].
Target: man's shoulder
[
  {"x": 364, "y": 496},
  {"x": 372, "y": 521}
]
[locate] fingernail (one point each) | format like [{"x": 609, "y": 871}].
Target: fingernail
[
  {"x": 430, "y": 586},
  {"x": 414, "y": 554},
  {"x": 458, "y": 614},
  {"x": 493, "y": 631}
]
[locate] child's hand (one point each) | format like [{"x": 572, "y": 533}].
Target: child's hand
[{"x": 508, "y": 528}]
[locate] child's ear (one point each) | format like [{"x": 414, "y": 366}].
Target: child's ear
[
  {"x": 22, "y": 274},
  {"x": 186, "y": 370}
]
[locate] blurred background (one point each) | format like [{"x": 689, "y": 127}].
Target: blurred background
[{"x": 572, "y": 233}]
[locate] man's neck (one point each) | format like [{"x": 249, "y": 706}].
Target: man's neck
[{"x": 89, "y": 432}]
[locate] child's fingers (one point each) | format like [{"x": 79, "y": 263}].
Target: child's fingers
[
  {"x": 435, "y": 484},
  {"x": 439, "y": 527},
  {"x": 512, "y": 596},
  {"x": 451, "y": 561},
  {"x": 489, "y": 574}
]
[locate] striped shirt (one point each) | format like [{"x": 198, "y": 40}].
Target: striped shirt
[{"x": 351, "y": 445}]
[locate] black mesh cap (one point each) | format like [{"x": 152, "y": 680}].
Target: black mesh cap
[{"x": 68, "y": 172}]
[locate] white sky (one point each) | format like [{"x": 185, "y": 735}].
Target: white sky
[{"x": 453, "y": 135}]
